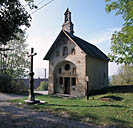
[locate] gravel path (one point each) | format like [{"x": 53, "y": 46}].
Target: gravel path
[
  {"x": 6, "y": 97},
  {"x": 12, "y": 116}
]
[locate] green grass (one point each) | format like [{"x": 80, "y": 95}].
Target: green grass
[{"x": 116, "y": 109}]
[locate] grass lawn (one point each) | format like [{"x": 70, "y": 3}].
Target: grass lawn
[{"x": 107, "y": 109}]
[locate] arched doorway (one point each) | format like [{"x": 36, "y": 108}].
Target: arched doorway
[{"x": 64, "y": 77}]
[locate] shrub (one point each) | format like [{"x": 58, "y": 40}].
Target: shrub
[
  {"x": 5, "y": 82},
  {"x": 9, "y": 85},
  {"x": 18, "y": 86},
  {"x": 43, "y": 86}
]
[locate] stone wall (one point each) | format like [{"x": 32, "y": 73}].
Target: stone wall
[
  {"x": 37, "y": 81},
  {"x": 75, "y": 56},
  {"x": 97, "y": 72}
]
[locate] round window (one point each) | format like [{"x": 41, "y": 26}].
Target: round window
[{"x": 67, "y": 67}]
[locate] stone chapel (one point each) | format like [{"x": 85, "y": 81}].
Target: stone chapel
[{"x": 73, "y": 62}]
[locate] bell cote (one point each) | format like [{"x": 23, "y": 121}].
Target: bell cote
[{"x": 68, "y": 25}]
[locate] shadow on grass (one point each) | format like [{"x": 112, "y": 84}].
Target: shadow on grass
[
  {"x": 116, "y": 98},
  {"x": 50, "y": 96},
  {"x": 63, "y": 105},
  {"x": 120, "y": 123}
]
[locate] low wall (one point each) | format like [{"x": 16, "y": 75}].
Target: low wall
[
  {"x": 36, "y": 82},
  {"x": 113, "y": 89}
]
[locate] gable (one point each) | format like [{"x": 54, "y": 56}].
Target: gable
[
  {"x": 61, "y": 40},
  {"x": 87, "y": 48}
]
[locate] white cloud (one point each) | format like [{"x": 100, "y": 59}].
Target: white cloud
[
  {"x": 113, "y": 68},
  {"x": 102, "y": 35}
]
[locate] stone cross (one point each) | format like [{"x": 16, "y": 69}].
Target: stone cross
[{"x": 31, "y": 79}]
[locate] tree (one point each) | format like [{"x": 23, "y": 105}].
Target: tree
[
  {"x": 43, "y": 86},
  {"x": 122, "y": 41},
  {"x": 124, "y": 76},
  {"x": 15, "y": 62},
  {"x": 12, "y": 17}
]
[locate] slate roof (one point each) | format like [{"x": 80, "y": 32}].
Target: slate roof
[{"x": 88, "y": 48}]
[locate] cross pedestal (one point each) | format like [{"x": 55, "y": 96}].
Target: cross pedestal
[{"x": 31, "y": 87}]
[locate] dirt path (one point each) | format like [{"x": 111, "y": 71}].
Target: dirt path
[
  {"x": 12, "y": 116},
  {"x": 6, "y": 97}
]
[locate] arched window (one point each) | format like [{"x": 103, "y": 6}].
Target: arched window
[
  {"x": 65, "y": 51},
  {"x": 67, "y": 67},
  {"x": 61, "y": 80},
  {"x": 73, "y": 51},
  {"x": 73, "y": 81},
  {"x": 57, "y": 54},
  {"x": 74, "y": 70},
  {"x": 60, "y": 70}
]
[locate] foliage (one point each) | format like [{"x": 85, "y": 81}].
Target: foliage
[
  {"x": 12, "y": 16},
  {"x": 15, "y": 61},
  {"x": 43, "y": 86},
  {"x": 10, "y": 85},
  {"x": 122, "y": 41},
  {"x": 17, "y": 86},
  {"x": 124, "y": 76},
  {"x": 5, "y": 82},
  {"x": 117, "y": 111}
]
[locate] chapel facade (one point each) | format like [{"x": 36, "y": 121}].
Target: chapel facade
[{"x": 73, "y": 62}]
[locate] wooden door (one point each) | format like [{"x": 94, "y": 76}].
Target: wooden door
[{"x": 67, "y": 85}]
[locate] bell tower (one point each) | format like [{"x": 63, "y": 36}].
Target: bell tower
[{"x": 68, "y": 25}]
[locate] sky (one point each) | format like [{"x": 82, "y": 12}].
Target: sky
[{"x": 91, "y": 23}]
